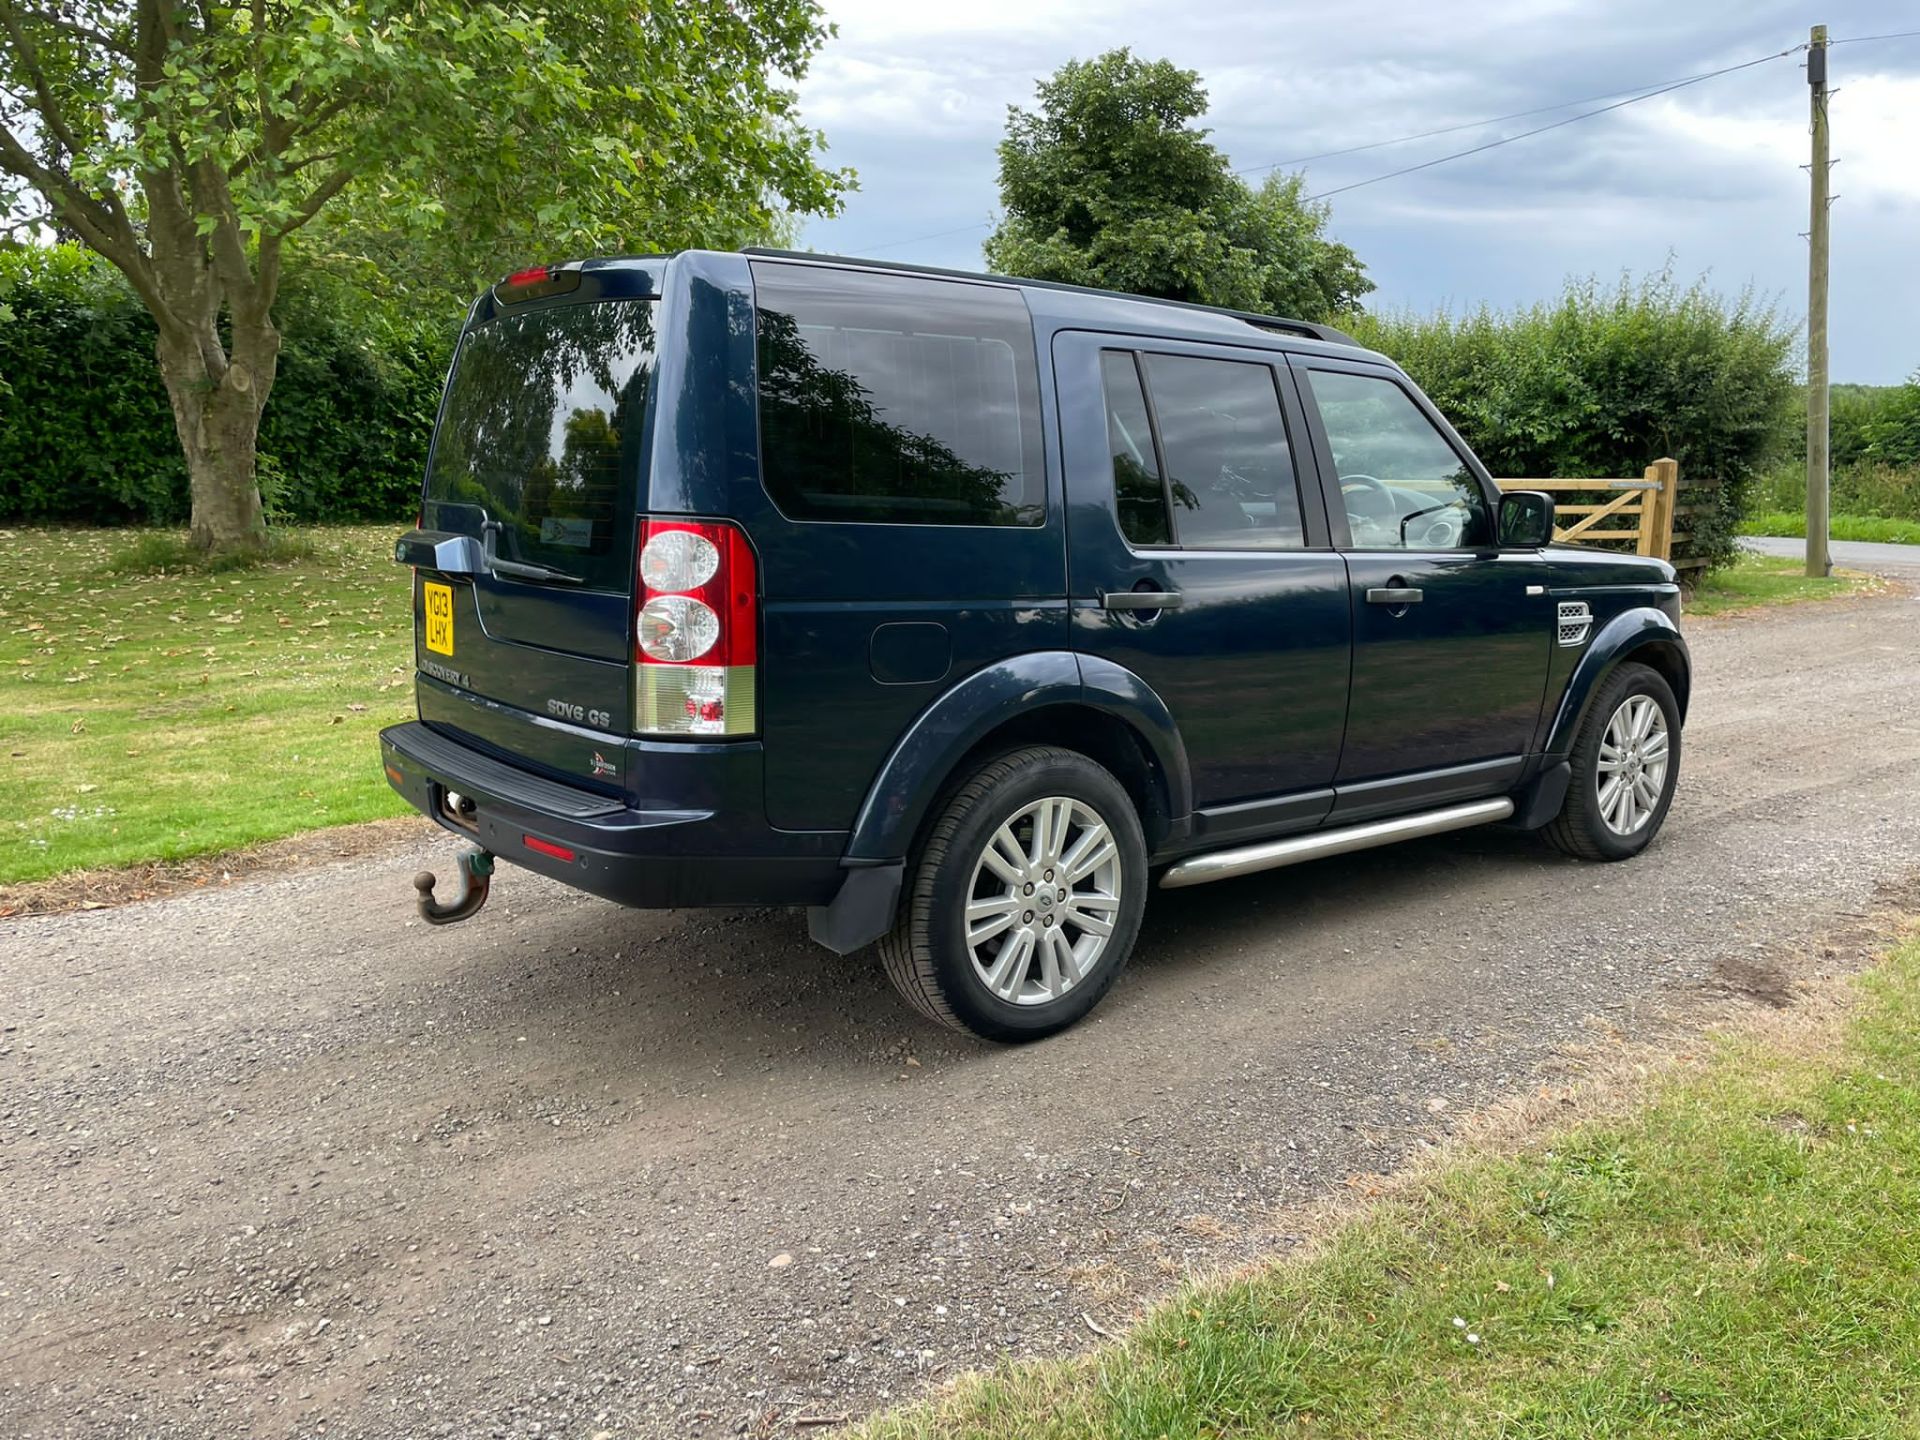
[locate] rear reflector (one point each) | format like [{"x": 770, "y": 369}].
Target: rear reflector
[{"x": 547, "y": 847}]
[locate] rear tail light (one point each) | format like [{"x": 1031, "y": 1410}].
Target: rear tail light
[{"x": 696, "y": 629}]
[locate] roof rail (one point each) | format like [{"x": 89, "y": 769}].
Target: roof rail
[{"x": 1308, "y": 328}]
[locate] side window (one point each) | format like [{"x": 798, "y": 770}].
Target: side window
[
  {"x": 1139, "y": 498},
  {"x": 1404, "y": 486},
  {"x": 899, "y": 400},
  {"x": 1229, "y": 470}
]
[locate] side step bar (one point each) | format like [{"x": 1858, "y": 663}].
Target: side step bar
[{"x": 1271, "y": 854}]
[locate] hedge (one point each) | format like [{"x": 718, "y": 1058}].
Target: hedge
[
  {"x": 1599, "y": 382},
  {"x": 86, "y": 434},
  {"x": 1605, "y": 380}
]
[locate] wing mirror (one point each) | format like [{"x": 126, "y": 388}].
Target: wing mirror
[{"x": 1526, "y": 520}]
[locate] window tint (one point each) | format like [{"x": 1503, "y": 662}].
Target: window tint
[
  {"x": 895, "y": 399},
  {"x": 1229, "y": 470},
  {"x": 1138, "y": 496},
  {"x": 1404, "y": 486},
  {"x": 539, "y": 437}
]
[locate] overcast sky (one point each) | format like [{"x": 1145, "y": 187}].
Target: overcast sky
[{"x": 913, "y": 95}]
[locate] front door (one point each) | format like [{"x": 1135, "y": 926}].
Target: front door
[
  {"x": 1198, "y": 561},
  {"x": 1452, "y": 635}
]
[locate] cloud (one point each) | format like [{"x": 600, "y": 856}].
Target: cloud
[{"x": 915, "y": 97}]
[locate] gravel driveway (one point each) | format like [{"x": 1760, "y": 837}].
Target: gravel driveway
[{"x": 279, "y": 1160}]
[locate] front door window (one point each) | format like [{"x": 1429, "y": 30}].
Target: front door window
[{"x": 1403, "y": 485}]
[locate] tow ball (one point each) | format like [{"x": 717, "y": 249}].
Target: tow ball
[{"x": 476, "y": 877}]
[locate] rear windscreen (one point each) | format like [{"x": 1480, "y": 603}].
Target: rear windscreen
[{"x": 539, "y": 438}]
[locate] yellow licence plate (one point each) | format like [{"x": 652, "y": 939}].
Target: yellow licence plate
[{"x": 439, "y": 607}]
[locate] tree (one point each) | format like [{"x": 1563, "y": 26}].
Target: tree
[
  {"x": 188, "y": 142},
  {"x": 1107, "y": 182}
]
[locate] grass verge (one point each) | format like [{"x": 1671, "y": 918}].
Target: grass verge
[
  {"x": 162, "y": 715},
  {"x": 1771, "y": 580},
  {"x": 1736, "y": 1258},
  {"x": 1876, "y": 528}
]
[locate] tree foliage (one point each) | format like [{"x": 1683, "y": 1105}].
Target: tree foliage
[
  {"x": 189, "y": 143},
  {"x": 1108, "y": 182},
  {"x": 1604, "y": 381},
  {"x": 1890, "y": 431}
]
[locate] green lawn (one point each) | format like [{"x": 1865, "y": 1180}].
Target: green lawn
[
  {"x": 159, "y": 716},
  {"x": 1769, "y": 580},
  {"x": 1739, "y": 1258},
  {"x": 1840, "y": 527}
]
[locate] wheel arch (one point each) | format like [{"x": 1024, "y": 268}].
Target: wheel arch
[
  {"x": 1059, "y": 698},
  {"x": 1644, "y": 635}
]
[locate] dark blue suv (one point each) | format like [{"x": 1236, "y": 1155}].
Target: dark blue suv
[{"x": 963, "y": 610}]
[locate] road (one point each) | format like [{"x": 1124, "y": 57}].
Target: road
[
  {"x": 276, "y": 1159},
  {"x": 1902, "y": 561}
]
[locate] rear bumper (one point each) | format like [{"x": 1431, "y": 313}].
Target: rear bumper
[{"x": 700, "y": 841}]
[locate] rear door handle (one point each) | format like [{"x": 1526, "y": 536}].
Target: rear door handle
[
  {"x": 1140, "y": 600},
  {"x": 1394, "y": 595}
]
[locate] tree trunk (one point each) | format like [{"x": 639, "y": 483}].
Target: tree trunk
[{"x": 218, "y": 421}]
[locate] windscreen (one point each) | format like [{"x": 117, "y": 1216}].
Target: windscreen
[{"x": 538, "y": 449}]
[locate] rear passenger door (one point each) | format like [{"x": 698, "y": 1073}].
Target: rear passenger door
[
  {"x": 1451, "y": 634},
  {"x": 1197, "y": 560}
]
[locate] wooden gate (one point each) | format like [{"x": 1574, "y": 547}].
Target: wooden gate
[{"x": 1639, "y": 510}]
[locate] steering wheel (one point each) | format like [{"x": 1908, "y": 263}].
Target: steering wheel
[{"x": 1387, "y": 510}]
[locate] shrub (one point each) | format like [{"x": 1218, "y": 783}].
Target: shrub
[
  {"x": 86, "y": 433},
  {"x": 1864, "y": 487},
  {"x": 1605, "y": 380},
  {"x": 85, "y": 430}
]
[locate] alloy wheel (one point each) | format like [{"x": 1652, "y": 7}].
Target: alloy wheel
[
  {"x": 1043, "y": 901},
  {"x": 1632, "y": 769}
]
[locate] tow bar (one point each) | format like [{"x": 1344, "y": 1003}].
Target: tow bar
[{"x": 476, "y": 877}]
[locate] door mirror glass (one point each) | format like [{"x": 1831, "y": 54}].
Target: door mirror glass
[{"x": 1526, "y": 520}]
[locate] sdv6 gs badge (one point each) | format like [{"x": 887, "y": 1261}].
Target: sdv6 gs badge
[{"x": 579, "y": 714}]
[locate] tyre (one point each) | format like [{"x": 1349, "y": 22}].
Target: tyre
[
  {"x": 1626, "y": 761},
  {"x": 1025, "y": 899}
]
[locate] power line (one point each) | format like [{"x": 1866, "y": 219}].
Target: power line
[
  {"x": 1653, "y": 88},
  {"x": 1557, "y": 124},
  {"x": 1861, "y": 39},
  {"x": 1468, "y": 125},
  {"x": 1634, "y": 97},
  {"x": 936, "y": 235}
]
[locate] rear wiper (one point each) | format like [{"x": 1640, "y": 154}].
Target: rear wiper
[
  {"x": 518, "y": 568},
  {"x": 531, "y": 572}
]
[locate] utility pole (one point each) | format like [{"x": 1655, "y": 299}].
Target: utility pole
[{"x": 1818, "y": 562}]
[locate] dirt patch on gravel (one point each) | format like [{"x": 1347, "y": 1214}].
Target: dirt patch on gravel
[{"x": 117, "y": 885}]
